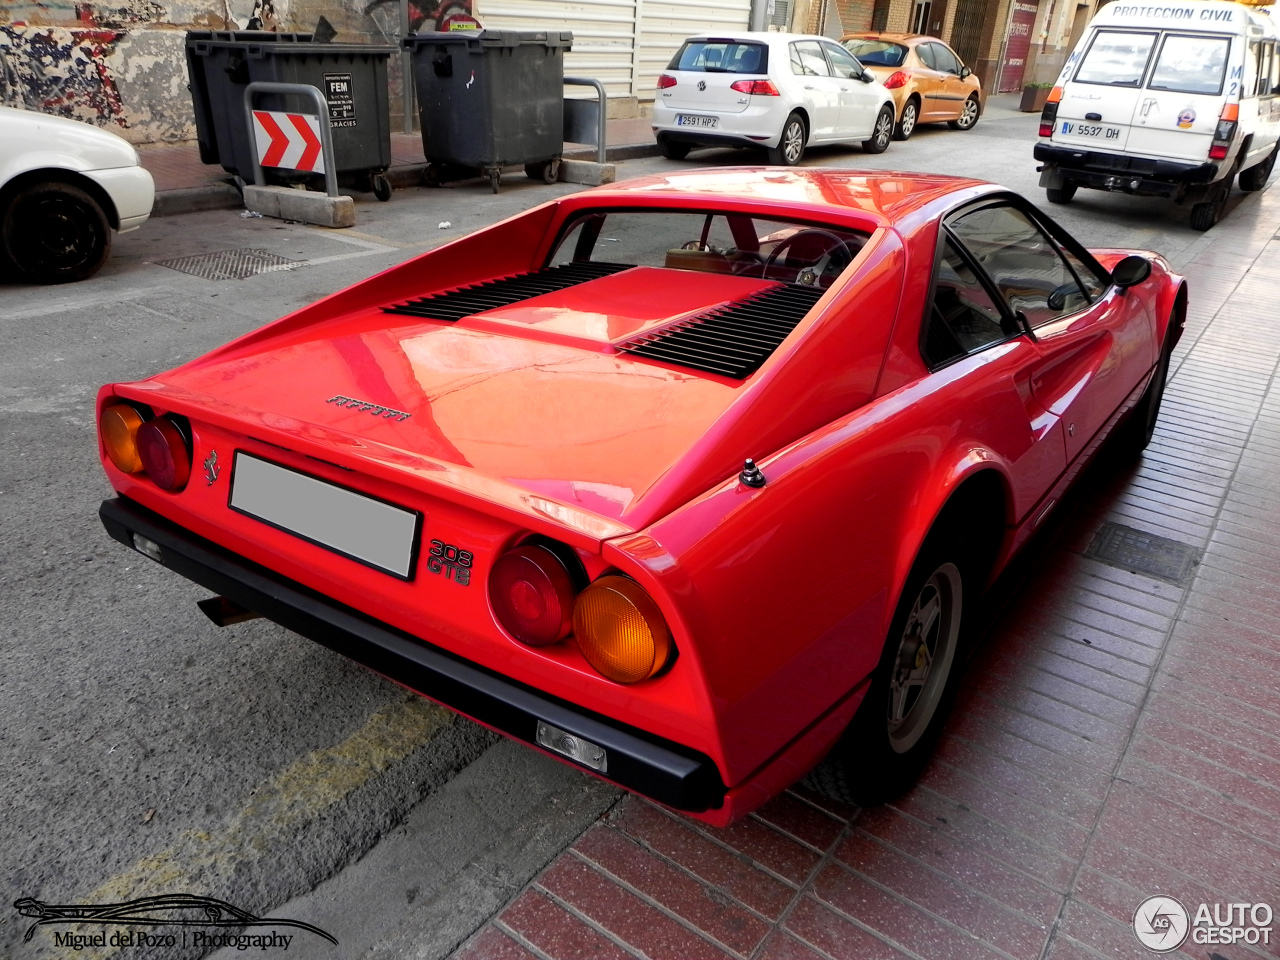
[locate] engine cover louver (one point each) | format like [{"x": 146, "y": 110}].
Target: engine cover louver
[
  {"x": 732, "y": 340},
  {"x": 490, "y": 294}
]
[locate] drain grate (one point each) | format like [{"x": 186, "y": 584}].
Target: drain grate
[
  {"x": 230, "y": 264},
  {"x": 1140, "y": 552}
]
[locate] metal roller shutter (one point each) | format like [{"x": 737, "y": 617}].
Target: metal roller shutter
[{"x": 665, "y": 23}]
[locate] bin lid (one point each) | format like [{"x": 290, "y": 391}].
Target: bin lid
[
  {"x": 264, "y": 42},
  {"x": 492, "y": 38}
]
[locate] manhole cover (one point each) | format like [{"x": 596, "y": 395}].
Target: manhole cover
[
  {"x": 1142, "y": 552},
  {"x": 230, "y": 264}
]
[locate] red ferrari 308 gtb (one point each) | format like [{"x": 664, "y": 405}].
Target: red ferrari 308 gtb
[{"x": 689, "y": 481}]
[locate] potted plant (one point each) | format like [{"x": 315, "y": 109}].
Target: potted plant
[{"x": 1033, "y": 96}]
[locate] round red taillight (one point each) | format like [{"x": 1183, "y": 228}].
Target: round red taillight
[
  {"x": 532, "y": 594},
  {"x": 163, "y": 453}
]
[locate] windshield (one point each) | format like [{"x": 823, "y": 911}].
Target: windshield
[
  {"x": 1116, "y": 59},
  {"x": 727, "y": 243},
  {"x": 1191, "y": 65},
  {"x": 877, "y": 53},
  {"x": 721, "y": 56}
]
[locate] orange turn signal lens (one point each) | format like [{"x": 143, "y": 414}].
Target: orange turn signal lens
[
  {"x": 1230, "y": 111},
  {"x": 1055, "y": 95},
  {"x": 620, "y": 630},
  {"x": 118, "y": 426}
]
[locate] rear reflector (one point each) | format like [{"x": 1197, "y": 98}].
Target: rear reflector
[
  {"x": 163, "y": 452},
  {"x": 118, "y": 426},
  {"x": 575, "y": 748}
]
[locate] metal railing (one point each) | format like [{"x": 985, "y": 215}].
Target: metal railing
[
  {"x": 575, "y": 122},
  {"x": 326, "y": 137}
]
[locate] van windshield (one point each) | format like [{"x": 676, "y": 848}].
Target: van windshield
[
  {"x": 1191, "y": 64},
  {"x": 1116, "y": 58}
]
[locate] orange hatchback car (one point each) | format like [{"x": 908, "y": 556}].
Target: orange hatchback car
[{"x": 926, "y": 78}]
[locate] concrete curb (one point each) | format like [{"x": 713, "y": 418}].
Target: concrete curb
[{"x": 223, "y": 195}]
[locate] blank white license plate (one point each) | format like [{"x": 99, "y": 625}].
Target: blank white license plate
[
  {"x": 690, "y": 120},
  {"x": 373, "y": 532},
  {"x": 1095, "y": 131}
]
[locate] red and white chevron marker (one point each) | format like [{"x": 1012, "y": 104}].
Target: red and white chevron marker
[{"x": 288, "y": 140}]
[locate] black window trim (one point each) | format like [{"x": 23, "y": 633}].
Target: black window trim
[
  {"x": 1153, "y": 32},
  {"x": 1158, "y": 52},
  {"x": 1051, "y": 228}
]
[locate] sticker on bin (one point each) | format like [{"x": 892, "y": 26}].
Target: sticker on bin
[{"x": 289, "y": 140}]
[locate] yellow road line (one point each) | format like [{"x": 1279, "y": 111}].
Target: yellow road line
[{"x": 200, "y": 862}]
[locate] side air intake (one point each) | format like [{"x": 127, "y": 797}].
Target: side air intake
[
  {"x": 490, "y": 294},
  {"x": 732, "y": 340}
]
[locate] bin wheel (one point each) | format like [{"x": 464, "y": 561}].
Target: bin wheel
[
  {"x": 431, "y": 176},
  {"x": 381, "y": 187},
  {"x": 495, "y": 180},
  {"x": 547, "y": 171}
]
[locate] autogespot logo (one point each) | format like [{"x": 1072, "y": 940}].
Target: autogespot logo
[{"x": 1161, "y": 924}]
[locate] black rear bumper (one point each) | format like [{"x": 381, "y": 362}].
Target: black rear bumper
[
  {"x": 1131, "y": 174},
  {"x": 668, "y": 772}
]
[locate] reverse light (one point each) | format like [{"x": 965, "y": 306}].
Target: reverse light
[
  {"x": 620, "y": 630},
  {"x": 1049, "y": 114},
  {"x": 532, "y": 594},
  {"x": 757, "y": 88},
  {"x": 118, "y": 426},
  {"x": 164, "y": 454},
  {"x": 666, "y": 80},
  {"x": 1225, "y": 132},
  {"x": 575, "y": 748},
  {"x": 898, "y": 79}
]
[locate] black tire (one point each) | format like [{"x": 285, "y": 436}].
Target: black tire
[
  {"x": 790, "y": 148},
  {"x": 1063, "y": 194},
  {"x": 881, "y": 133},
  {"x": 968, "y": 119},
  {"x": 1255, "y": 178},
  {"x": 55, "y": 233},
  {"x": 381, "y": 187},
  {"x": 495, "y": 180},
  {"x": 907, "y": 122},
  {"x": 1139, "y": 427},
  {"x": 674, "y": 149},
  {"x": 879, "y": 756},
  {"x": 1204, "y": 215},
  {"x": 548, "y": 171}
]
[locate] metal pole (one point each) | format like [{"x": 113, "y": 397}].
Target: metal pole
[
  {"x": 322, "y": 110},
  {"x": 406, "y": 69},
  {"x": 602, "y": 129}
]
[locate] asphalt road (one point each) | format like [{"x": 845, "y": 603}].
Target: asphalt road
[{"x": 144, "y": 751}]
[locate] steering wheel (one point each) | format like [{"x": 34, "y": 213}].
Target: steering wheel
[{"x": 809, "y": 276}]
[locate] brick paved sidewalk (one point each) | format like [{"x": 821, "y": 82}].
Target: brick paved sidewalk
[{"x": 1118, "y": 736}]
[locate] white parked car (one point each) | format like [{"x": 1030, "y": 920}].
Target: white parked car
[
  {"x": 781, "y": 91},
  {"x": 64, "y": 187}
]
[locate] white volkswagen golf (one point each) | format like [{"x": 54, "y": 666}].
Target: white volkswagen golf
[{"x": 781, "y": 91}]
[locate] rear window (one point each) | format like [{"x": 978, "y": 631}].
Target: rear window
[
  {"x": 728, "y": 243},
  {"x": 1191, "y": 64},
  {"x": 877, "y": 53},
  {"x": 721, "y": 56},
  {"x": 1116, "y": 59}
]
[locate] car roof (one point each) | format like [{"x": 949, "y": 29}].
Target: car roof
[
  {"x": 886, "y": 197},
  {"x": 893, "y": 37},
  {"x": 747, "y": 36}
]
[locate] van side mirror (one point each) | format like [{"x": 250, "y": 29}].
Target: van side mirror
[
  {"x": 1130, "y": 271},
  {"x": 965, "y": 73}
]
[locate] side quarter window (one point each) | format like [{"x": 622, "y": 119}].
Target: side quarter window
[
  {"x": 963, "y": 318},
  {"x": 1025, "y": 265}
]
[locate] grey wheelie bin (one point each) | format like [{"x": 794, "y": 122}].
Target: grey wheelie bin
[
  {"x": 491, "y": 98},
  {"x": 352, "y": 77}
]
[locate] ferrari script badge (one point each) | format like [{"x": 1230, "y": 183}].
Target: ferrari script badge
[
  {"x": 365, "y": 407},
  {"x": 211, "y": 468}
]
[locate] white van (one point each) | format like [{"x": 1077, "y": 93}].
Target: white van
[{"x": 1169, "y": 99}]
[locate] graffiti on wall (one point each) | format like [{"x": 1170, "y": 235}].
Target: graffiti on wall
[{"x": 120, "y": 63}]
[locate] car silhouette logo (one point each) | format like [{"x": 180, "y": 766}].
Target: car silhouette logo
[{"x": 702, "y": 84}]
